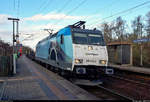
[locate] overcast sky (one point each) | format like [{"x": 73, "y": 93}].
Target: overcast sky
[{"x": 36, "y": 15}]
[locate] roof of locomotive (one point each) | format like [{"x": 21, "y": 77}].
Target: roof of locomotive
[{"x": 73, "y": 29}]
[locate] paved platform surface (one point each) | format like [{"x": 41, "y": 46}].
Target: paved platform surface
[
  {"x": 33, "y": 82},
  {"x": 132, "y": 68}
]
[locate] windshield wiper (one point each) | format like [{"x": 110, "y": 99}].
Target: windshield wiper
[{"x": 96, "y": 43}]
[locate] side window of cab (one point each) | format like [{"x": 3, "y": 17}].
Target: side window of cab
[{"x": 62, "y": 39}]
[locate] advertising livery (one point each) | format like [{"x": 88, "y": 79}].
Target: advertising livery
[{"x": 75, "y": 50}]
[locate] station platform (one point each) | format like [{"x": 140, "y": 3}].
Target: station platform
[
  {"x": 34, "y": 82},
  {"x": 142, "y": 70}
]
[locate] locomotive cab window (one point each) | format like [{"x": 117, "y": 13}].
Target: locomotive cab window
[
  {"x": 62, "y": 39},
  {"x": 90, "y": 39}
]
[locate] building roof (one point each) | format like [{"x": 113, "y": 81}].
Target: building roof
[{"x": 119, "y": 43}]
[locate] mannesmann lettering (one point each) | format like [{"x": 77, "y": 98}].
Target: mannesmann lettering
[{"x": 91, "y": 54}]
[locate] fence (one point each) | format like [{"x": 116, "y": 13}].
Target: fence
[{"x": 6, "y": 65}]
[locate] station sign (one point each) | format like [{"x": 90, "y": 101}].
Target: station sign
[{"x": 141, "y": 40}]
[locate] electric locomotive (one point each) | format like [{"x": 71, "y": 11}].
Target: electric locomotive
[{"x": 75, "y": 51}]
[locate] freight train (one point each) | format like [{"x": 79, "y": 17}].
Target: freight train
[{"x": 75, "y": 52}]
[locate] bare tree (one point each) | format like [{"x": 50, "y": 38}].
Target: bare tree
[
  {"x": 148, "y": 24},
  {"x": 137, "y": 26},
  {"x": 119, "y": 28},
  {"x": 107, "y": 31}
]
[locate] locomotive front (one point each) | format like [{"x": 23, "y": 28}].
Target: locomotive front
[{"x": 89, "y": 53}]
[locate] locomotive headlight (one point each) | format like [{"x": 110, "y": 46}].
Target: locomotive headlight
[
  {"x": 102, "y": 62},
  {"x": 90, "y": 48},
  {"x": 78, "y": 60}
]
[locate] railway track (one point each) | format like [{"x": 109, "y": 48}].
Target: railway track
[
  {"x": 121, "y": 89},
  {"x": 141, "y": 78},
  {"x": 131, "y": 80},
  {"x": 105, "y": 93},
  {"x": 129, "y": 88},
  {"x": 115, "y": 93},
  {"x": 111, "y": 90}
]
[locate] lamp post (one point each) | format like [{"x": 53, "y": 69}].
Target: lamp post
[
  {"x": 141, "y": 47},
  {"x": 14, "y": 20},
  {"x": 14, "y": 40}
]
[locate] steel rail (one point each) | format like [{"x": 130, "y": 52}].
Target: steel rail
[
  {"x": 115, "y": 93},
  {"x": 133, "y": 81}
]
